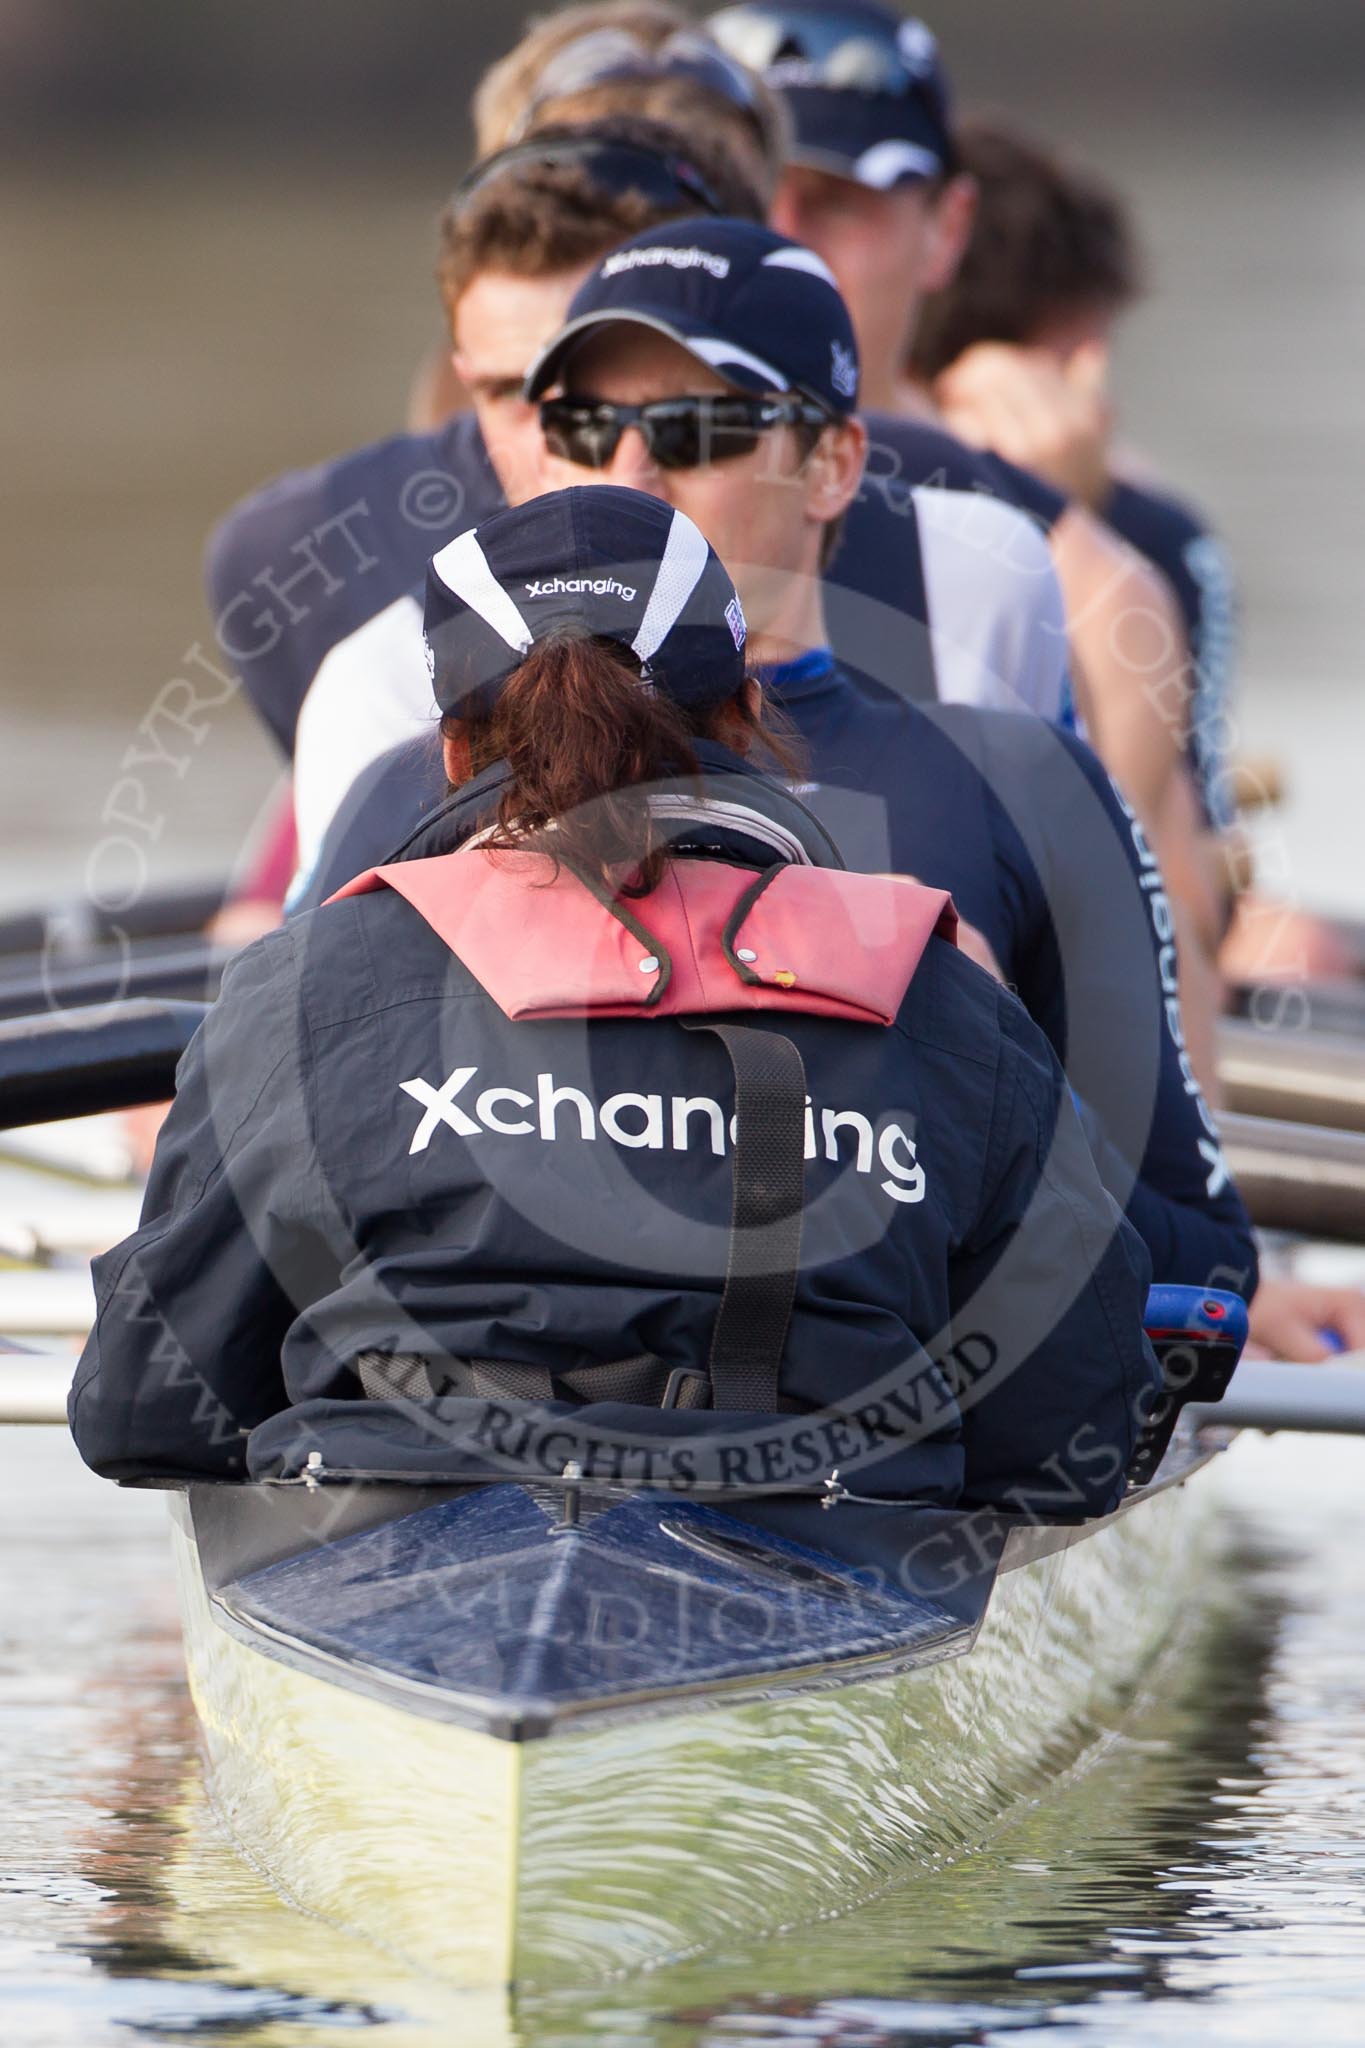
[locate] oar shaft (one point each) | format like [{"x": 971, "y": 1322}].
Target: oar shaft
[
  {"x": 188, "y": 970},
  {"x": 1306, "y": 1077},
  {"x": 1298, "y": 1177},
  {"x": 77, "y": 924},
  {"x": 84, "y": 1062},
  {"x": 1313, "y": 1399},
  {"x": 1283, "y": 1010}
]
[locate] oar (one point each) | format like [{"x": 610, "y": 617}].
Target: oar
[
  {"x": 85, "y": 1061},
  {"x": 175, "y": 969},
  {"x": 1298, "y": 1177},
  {"x": 1304, "y": 1077},
  {"x": 76, "y": 924},
  {"x": 1281, "y": 1010},
  {"x": 1313, "y": 1399}
]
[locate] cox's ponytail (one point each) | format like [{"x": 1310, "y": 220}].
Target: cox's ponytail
[{"x": 584, "y": 736}]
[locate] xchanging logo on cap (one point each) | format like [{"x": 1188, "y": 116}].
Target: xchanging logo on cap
[
  {"x": 734, "y": 619},
  {"x": 591, "y": 586},
  {"x": 676, "y": 259},
  {"x": 843, "y": 370}
]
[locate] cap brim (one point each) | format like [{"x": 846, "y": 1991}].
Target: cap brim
[
  {"x": 879, "y": 169},
  {"x": 745, "y": 371},
  {"x": 873, "y": 140}
]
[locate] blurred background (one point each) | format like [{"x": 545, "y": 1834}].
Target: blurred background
[{"x": 216, "y": 233}]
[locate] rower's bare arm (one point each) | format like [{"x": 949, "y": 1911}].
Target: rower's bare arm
[
  {"x": 1129, "y": 659},
  {"x": 1194, "y": 863}
]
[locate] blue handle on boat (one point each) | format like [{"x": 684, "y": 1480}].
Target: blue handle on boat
[
  {"x": 1197, "y": 1334},
  {"x": 1195, "y": 1315}
]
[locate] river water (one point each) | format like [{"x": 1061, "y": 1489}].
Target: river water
[{"x": 1203, "y": 1880}]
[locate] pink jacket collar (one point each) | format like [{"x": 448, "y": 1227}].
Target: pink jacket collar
[{"x": 711, "y": 938}]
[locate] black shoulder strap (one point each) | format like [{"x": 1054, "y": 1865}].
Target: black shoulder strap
[{"x": 765, "y": 1219}]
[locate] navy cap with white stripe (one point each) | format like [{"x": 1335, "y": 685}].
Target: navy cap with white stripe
[
  {"x": 865, "y": 88},
  {"x": 760, "y": 310},
  {"x": 598, "y": 561}
]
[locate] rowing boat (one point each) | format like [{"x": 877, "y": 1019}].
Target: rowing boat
[{"x": 521, "y": 1734}]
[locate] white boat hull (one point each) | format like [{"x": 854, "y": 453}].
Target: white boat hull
[{"x": 619, "y": 1844}]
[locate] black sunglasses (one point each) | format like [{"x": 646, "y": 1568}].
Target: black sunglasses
[
  {"x": 614, "y": 166},
  {"x": 680, "y": 433}
]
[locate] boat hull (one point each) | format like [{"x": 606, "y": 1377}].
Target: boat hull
[{"x": 619, "y": 1841}]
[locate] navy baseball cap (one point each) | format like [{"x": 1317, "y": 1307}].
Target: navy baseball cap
[
  {"x": 866, "y": 89},
  {"x": 761, "y": 311},
  {"x": 596, "y": 560}
]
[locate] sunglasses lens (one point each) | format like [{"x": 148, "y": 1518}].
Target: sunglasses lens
[
  {"x": 680, "y": 433},
  {"x": 586, "y": 435},
  {"x": 692, "y": 432}
]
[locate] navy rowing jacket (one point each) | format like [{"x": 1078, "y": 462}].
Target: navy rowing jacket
[
  {"x": 1021, "y": 824},
  {"x": 366, "y": 1155}
]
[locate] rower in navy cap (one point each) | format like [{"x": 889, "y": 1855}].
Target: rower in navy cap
[
  {"x": 614, "y": 1114},
  {"x": 872, "y": 177}
]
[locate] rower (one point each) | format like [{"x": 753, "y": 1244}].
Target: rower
[
  {"x": 1022, "y": 333},
  {"x": 300, "y": 564},
  {"x": 1017, "y": 820},
  {"x": 874, "y": 184},
  {"x": 956, "y": 589},
  {"x": 1015, "y": 345},
  {"x": 948, "y": 594},
  {"x": 615, "y": 1113}
]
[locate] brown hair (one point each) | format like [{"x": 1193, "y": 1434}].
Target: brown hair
[
  {"x": 502, "y": 101},
  {"x": 1049, "y": 238},
  {"x": 540, "y": 220},
  {"x": 584, "y": 738}
]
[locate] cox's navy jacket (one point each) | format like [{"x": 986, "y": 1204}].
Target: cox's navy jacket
[
  {"x": 366, "y": 1155},
  {"x": 1021, "y": 824}
]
